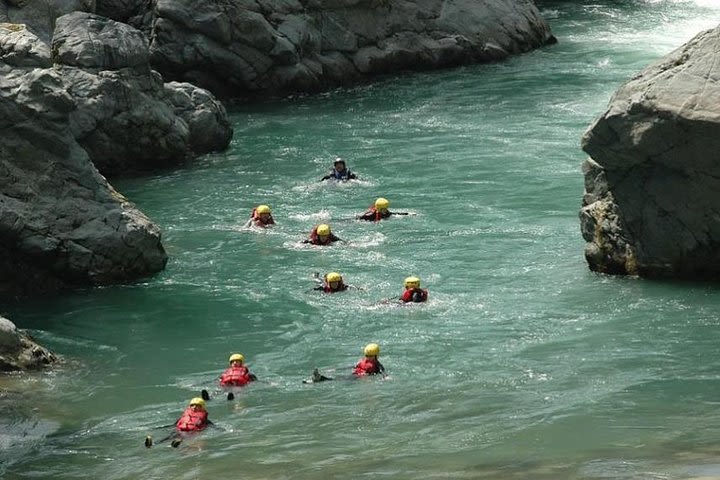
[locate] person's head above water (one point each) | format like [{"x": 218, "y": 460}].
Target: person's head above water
[
  {"x": 382, "y": 204},
  {"x": 339, "y": 164},
  {"x": 236, "y": 359},
  {"x": 334, "y": 280},
  {"x": 412, "y": 282},
  {"x": 323, "y": 230},
  {"x": 263, "y": 211},
  {"x": 371, "y": 350},
  {"x": 197, "y": 403}
]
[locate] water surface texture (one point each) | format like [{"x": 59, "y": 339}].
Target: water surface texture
[{"x": 523, "y": 364}]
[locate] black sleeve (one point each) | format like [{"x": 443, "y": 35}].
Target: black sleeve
[
  {"x": 307, "y": 241},
  {"x": 382, "y": 369},
  {"x": 326, "y": 177},
  {"x": 351, "y": 175},
  {"x": 319, "y": 287},
  {"x": 253, "y": 377}
]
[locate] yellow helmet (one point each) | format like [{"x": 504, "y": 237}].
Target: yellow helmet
[
  {"x": 333, "y": 277},
  {"x": 323, "y": 229},
  {"x": 262, "y": 209},
  {"x": 412, "y": 282},
  {"x": 236, "y": 357},
  {"x": 372, "y": 350},
  {"x": 382, "y": 203},
  {"x": 197, "y": 401}
]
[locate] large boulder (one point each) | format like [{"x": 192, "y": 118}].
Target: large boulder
[
  {"x": 235, "y": 48},
  {"x": 61, "y": 223},
  {"x": 651, "y": 205},
  {"x": 127, "y": 118},
  {"x": 18, "y": 350}
]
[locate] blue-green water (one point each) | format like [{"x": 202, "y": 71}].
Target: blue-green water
[{"x": 522, "y": 365}]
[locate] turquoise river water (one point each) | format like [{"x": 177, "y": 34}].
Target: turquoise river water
[{"x": 523, "y": 364}]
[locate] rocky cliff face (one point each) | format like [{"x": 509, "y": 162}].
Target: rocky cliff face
[
  {"x": 61, "y": 223},
  {"x": 90, "y": 99},
  {"x": 651, "y": 205},
  {"x": 235, "y": 48}
]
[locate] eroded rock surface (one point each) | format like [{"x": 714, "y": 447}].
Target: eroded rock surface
[{"x": 651, "y": 206}]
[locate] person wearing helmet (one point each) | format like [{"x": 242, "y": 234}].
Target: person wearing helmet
[
  {"x": 194, "y": 418},
  {"x": 237, "y": 375},
  {"x": 369, "y": 365},
  {"x": 322, "y": 235},
  {"x": 339, "y": 172},
  {"x": 331, "y": 283},
  {"x": 378, "y": 211},
  {"x": 261, "y": 217},
  {"x": 413, "y": 292}
]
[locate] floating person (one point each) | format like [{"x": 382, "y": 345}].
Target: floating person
[
  {"x": 322, "y": 235},
  {"x": 369, "y": 365},
  {"x": 379, "y": 211},
  {"x": 339, "y": 172},
  {"x": 236, "y": 375},
  {"x": 331, "y": 283},
  {"x": 261, "y": 217},
  {"x": 193, "y": 420},
  {"x": 413, "y": 292}
]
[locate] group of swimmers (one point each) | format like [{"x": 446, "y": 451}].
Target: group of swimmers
[
  {"x": 195, "y": 417},
  {"x": 322, "y": 235}
]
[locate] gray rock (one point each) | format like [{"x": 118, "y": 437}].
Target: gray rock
[
  {"x": 18, "y": 351},
  {"x": 651, "y": 200},
  {"x": 20, "y": 48},
  {"x": 274, "y": 46},
  {"x": 90, "y": 41},
  {"x": 125, "y": 117},
  {"x": 61, "y": 223}
]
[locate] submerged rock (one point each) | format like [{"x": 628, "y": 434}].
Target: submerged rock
[
  {"x": 238, "y": 47},
  {"x": 651, "y": 206},
  {"x": 18, "y": 351}
]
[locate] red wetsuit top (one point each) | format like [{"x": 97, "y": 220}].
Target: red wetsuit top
[
  {"x": 235, "y": 377},
  {"x": 258, "y": 222},
  {"x": 316, "y": 240},
  {"x": 372, "y": 214},
  {"x": 414, "y": 295},
  {"x": 192, "y": 420},
  {"x": 368, "y": 366}
]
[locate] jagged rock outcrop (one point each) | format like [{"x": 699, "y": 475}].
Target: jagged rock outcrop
[
  {"x": 235, "y": 48},
  {"x": 61, "y": 223},
  {"x": 651, "y": 205},
  {"x": 18, "y": 351},
  {"x": 126, "y": 117}
]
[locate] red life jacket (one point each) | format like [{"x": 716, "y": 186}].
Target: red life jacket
[
  {"x": 235, "y": 377},
  {"x": 414, "y": 295},
  {"x": 316, "y": 240},
  {"x": 327, "y": 289},
  {"x": 367, "y": 366},
  {"x": 378, "y": 215},
  {"x": 192, "y": 421},
  {"x": 259, "y": 221}
]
